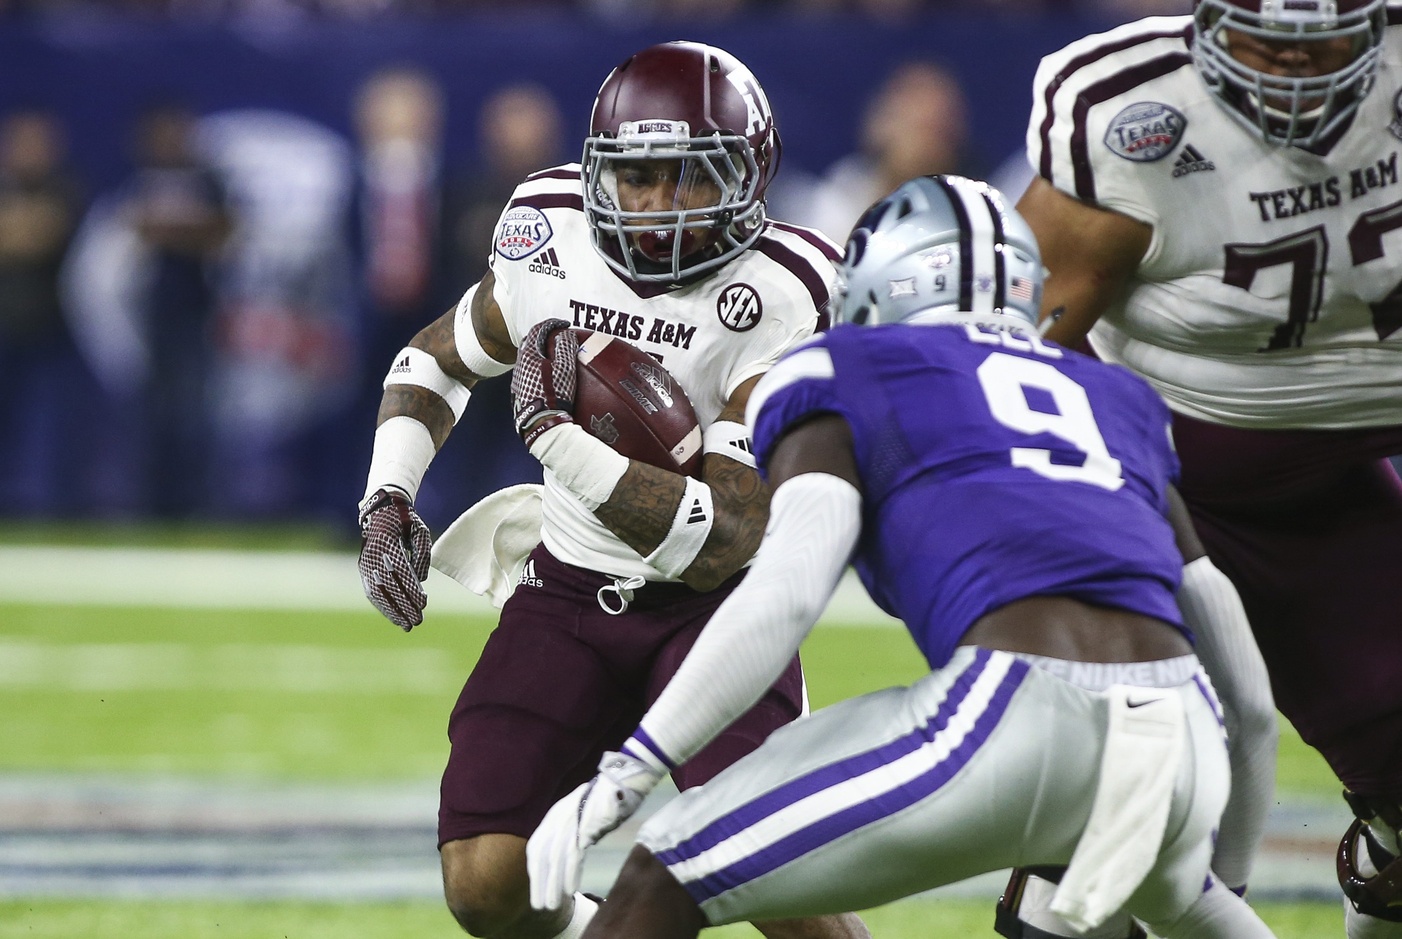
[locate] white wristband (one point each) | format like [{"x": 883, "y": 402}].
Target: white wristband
[
  {"x": 470, "y": 350},
  {"x": 403, "y": 449},
  {"x": 690, "y": 527},
  {"x": 731, "y": 439},
  {"x": 580, "y": 462},
  {"x": 417, "y": 367}
]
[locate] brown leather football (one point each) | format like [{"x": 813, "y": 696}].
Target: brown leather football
[{"x": 628, "y": 400}]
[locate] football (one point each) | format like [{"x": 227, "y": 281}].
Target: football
[{"x": 629, "y": 401}]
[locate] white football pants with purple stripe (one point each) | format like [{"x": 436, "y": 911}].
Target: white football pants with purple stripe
[{"x": 985, "y": 764}]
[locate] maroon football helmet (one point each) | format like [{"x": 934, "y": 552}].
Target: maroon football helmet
[{"x": 699, "y": 109}]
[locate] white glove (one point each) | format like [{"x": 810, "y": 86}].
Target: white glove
[{"x": 555, "y": 853}]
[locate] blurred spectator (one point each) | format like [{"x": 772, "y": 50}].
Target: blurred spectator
[
  {"x": 916, "y": 124},
  {"x": 286, "y": 374},
  {"x": 176, "y": 205},
  {"x": 399, "y": 122},
  {"x": 405, "y": 251},
  {"x": 518, "y": 132},
  {"x": 42, "y": 383}
]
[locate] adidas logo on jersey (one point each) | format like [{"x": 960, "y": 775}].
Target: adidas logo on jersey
[
  {"x": 1191, "y": 161},
  {"x": 400, "y": 367},
  {"x": 547, "y": 263},
  {"x": 528, "y": 576}
]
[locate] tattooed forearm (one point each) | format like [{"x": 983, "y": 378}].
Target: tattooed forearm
[
  {"x": 642, "y": 506},
  {"x": 420, "y": 404},
  {"x": 645, "y": 502},
  {"x": 742, "y": 509},
  {"x": 437, "y": 339}
]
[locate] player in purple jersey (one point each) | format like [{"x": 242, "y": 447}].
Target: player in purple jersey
[
  {"x": 1216, "y": 202},
  {"x": 1012, "y": 502},
  {"x": 612, "y": 566}
]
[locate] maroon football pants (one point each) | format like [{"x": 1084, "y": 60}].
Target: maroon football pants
[
  {"x": 1308, "y": 526},
  {"x": 561, "y": 680}
]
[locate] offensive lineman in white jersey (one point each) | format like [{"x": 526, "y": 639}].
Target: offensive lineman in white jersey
[
  {"x": 659, "y": 237},
  {"x": 1218, "y": 203}
]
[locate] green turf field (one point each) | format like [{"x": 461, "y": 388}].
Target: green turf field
[
  {"x": 312, "y": 694},
  {"x": 341, "y": 697},
  {"x": 910, "y": 919}
]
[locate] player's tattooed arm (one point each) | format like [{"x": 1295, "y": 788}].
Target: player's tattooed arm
[
  {"x": 644, "y": 505},
  {"x": 438, "y": 340}
]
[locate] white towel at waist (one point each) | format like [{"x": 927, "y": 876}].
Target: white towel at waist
[
  {"x": 1138, "y": 770},
  {"x": 485, "y": 549}
]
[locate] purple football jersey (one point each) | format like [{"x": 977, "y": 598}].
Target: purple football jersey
[{"x": 993, "y": 467}]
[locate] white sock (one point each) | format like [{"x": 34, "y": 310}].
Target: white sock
[{"x": 584, "y": 910}]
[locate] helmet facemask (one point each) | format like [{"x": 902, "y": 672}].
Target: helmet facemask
[
  {"x": 1289, "y": 110},
  {"x": 715, "y": 211}
]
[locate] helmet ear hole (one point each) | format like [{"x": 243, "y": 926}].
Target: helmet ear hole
[{"x": 856, "y": 247}]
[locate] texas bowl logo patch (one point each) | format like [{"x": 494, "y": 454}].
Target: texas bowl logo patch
[
  {"x": 739, "y": 308},
  {"x": 522, "y": 232},
  {"x": 1145, "y": 132}
]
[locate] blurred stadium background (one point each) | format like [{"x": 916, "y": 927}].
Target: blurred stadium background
[{"x": 204, "y": 729}]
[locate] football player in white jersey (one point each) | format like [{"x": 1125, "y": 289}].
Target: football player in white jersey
[
  {"x": 659, "y": 237},
  {"x": 1218, "y": 202}
]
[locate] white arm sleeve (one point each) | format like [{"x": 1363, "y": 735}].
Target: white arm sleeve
[
  {"x": 1212, "y": 610},
  {"x": 814, "y": 522}
]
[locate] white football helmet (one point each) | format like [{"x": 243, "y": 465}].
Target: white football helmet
[
  {"x": 1285, "y": 110},
  {"x": 940, "y": 244}
]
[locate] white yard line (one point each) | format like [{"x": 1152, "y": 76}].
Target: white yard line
[
  {"x": 289, "y": 580},
  {"x": 246, "y": 667},
  {"x": 157, "y": 837}
]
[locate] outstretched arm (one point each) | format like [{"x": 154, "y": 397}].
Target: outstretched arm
[
  {"x": 1090, "y": 253},
  {"x": 814, "y": 522},
  {"x": 1212, "y": 610}
]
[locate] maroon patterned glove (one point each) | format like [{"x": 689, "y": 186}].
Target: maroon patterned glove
[
  {"x": 394, "y": 554},
  {"x": 542, "y": 387}
]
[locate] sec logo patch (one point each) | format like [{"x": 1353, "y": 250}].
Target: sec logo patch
[
  {"x": 739, "y": 308},
  {"x": 522, "y": 232}
]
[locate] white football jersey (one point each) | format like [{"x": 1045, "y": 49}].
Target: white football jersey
[
  {"x": 712, "y": 335},
  {"x": 1271, "y": 293}
]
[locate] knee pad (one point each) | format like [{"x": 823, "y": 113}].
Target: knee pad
[{"x": 1022, "y": 911}]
